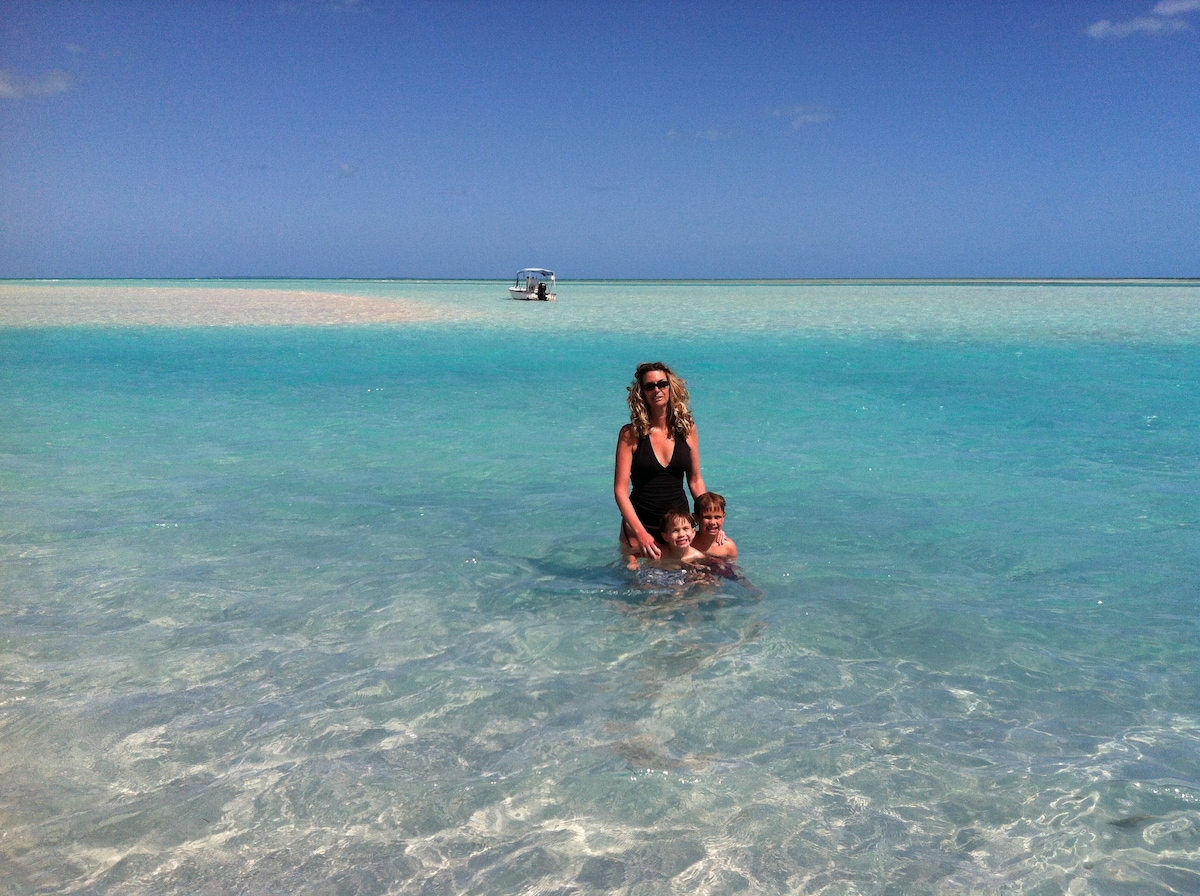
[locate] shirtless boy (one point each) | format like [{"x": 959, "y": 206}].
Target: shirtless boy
[
  {"x": 710, "y": 513},
  {"x": 678, "y": 532}
]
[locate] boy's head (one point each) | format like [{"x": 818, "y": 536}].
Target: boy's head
[
  {"x": 678, "y": 530},
  {"x": 710, "y": 512}
]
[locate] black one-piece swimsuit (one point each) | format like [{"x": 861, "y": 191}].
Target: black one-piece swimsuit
[{"x": 657, "y": 489}]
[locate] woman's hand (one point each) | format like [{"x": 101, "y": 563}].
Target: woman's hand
[{"x": 647, "y": 546}]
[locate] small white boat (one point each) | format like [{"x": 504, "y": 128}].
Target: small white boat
[{"x": 534, "y": 284}]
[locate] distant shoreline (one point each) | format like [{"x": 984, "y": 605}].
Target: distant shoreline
[{"x": 1154, "y": 308}]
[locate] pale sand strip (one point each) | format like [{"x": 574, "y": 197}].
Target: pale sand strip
[{"x": 63, "y": 304}]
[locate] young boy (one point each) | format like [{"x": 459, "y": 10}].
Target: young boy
[
  {"x": 710, "y": 512},
  {"x": 678, "y": 530}
]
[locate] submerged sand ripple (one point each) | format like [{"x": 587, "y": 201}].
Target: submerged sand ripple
[{"x": 62, "y": 304}]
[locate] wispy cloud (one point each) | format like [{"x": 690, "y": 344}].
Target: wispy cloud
[
  {"x": 1175, "y": 7},
  {"x": 712, "y": 135},
  {"x": 1141, "y": 25},
  {"x": 17, "y": 87},
  {"x": 802, "y": 116},
  {"x": 1164, "y": 18},
  {"x": 292, "y": 6}
]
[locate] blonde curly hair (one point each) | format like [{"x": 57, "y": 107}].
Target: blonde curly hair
[{"x": 679, "y": 413}]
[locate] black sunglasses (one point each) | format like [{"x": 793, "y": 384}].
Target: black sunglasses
[{"x": 657, "y": 384}]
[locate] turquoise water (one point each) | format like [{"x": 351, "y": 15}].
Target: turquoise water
[{"x": 335, "y": 610}]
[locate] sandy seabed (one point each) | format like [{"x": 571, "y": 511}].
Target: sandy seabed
[{"x": 63, "y": 304}]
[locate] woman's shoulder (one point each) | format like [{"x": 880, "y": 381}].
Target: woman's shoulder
[{"x": 628, "y": 434}]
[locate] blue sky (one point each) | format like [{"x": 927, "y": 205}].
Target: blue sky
[{"x": 611, "y": 139}]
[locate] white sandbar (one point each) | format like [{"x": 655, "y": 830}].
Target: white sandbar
[{"x": 64, "y": 304}]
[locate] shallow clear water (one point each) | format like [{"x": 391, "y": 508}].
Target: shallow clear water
[{"x": 336, "y": 610}]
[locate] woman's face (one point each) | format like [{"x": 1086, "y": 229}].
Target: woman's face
[{"x": 656, "y": 388}]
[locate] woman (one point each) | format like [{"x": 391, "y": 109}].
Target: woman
[{"x": 656, "y": 451}]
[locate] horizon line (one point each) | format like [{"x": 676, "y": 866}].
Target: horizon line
[{"x": 915, "y": 279}]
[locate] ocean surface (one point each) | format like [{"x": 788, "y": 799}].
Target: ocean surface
[{"x": 337, "y": 610}]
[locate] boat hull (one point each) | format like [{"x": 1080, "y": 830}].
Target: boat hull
[{"x": 515, "y": 292}]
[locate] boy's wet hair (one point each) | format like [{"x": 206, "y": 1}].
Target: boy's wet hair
[
  {"x": 673, "y": 516},
  {"x": 708, "y": 502}
]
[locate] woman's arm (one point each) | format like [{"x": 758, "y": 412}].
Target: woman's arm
[
  {"x": 642, "y": 542},
  {"x": 695, "y": 480}
]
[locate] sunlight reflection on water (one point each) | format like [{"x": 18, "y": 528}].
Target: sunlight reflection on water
[{"x": 313, "y": 610}]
